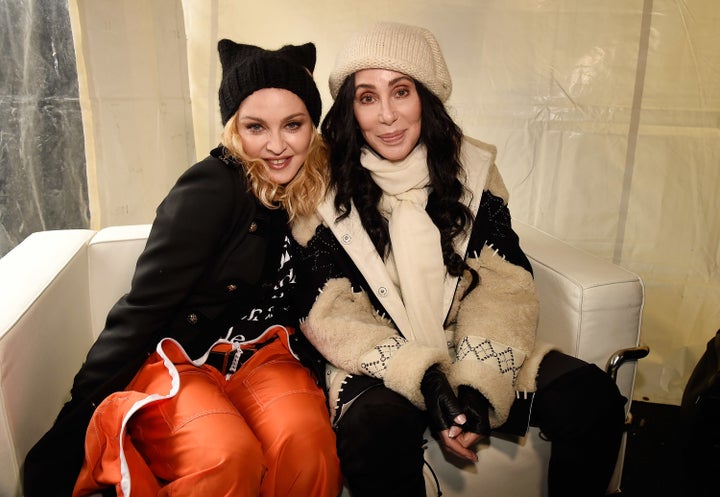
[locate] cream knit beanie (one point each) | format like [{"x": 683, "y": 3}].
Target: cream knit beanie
[{"x": 411, "y": 50}]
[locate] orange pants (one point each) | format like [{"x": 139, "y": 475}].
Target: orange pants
[{"x": 263, "y": 431}]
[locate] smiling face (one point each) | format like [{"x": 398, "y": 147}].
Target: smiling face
[
  {"x": 388, "y": 111},
  {"x": 275, "y": 126}
]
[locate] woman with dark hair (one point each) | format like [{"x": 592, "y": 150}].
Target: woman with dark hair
[
  {"x": 427, "y": 311},
  {"x": 199, "y": 384}
]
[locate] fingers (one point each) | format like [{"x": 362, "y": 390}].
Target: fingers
[
  {"x": 451, "y": 408},
  {"x": 455, "y": 447},
  {"x": 476, "y": 406},
  {"x": 456, "y": 429},
  {"x": 469, "y": 439}
]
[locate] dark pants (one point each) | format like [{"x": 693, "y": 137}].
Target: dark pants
[{"x": 577, "y": 407}]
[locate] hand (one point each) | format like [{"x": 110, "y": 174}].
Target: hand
[
  {"x": 446, "y": 414},
  {"x": 476, "y": 408},
  {"x": 476, "y": 427},
  {"x": 459, "y": 445},
  {"x": 442, "y": 404}
]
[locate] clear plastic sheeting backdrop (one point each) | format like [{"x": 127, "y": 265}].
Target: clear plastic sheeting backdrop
[{"x": 42, "y": 159}]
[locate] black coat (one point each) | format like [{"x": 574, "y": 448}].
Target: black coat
[{"x": 211, "y": 257}]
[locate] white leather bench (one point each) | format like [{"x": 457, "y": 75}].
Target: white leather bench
[{"x": 56, "y": 288}]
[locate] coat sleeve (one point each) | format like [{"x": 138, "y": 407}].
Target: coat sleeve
[
  {"x": 188, "y": 229},
  {"x": 496, "y": 321}
]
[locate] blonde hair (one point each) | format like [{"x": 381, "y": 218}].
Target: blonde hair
[{"x": 302, "y": 194}]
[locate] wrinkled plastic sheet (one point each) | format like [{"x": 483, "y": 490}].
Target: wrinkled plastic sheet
[{"x": 42, "y": 158}]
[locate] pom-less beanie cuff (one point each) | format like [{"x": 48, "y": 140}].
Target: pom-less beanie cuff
[
  {"x": 407, "y": 49},
  {"x": 247, "y": 68}
]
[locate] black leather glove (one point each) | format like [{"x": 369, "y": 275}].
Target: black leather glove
[
  {"x": 476, "y": 407},
  {"x": 440, "y": 399}
]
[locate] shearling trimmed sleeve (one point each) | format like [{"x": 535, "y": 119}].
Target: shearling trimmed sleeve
[
  {"x": 496, "y": 322},
  {"x": 350, "y": 334},
  {"x": 495, "y": 331}
]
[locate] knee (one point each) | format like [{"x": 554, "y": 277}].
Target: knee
[
  {"x": 303, "y": 423},
  {"x": 381, "y": 434},
  {"x": 583, "y": 402},
  {"x": 301, "y": 435},
  {"x": 230, "y": 454},
  {"x": 304, "y": 452},
  {"x": 378, "y": 417},
  {"x": 314, "y": 437}
]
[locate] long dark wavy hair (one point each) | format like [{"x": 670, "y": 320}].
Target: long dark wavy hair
[{"x": 353, "y": 183}]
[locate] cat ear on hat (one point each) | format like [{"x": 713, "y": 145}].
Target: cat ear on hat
[
  {"x": 232, "y": 53},
  {"x": 302, "y": 54}
]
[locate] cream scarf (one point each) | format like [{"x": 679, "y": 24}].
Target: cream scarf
[{"x": 415, "y": 260}]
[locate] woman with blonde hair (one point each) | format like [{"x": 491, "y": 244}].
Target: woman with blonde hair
[{"x": 199, "y": 383}]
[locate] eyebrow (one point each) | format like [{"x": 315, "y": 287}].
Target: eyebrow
[
  {"x": 260, "y": 119},
  {"x": 390, "y": 83}
]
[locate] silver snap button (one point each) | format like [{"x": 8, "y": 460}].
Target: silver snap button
[
  {"x": 382, "y": 291},
  {"x": 346, "y": 238}
]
